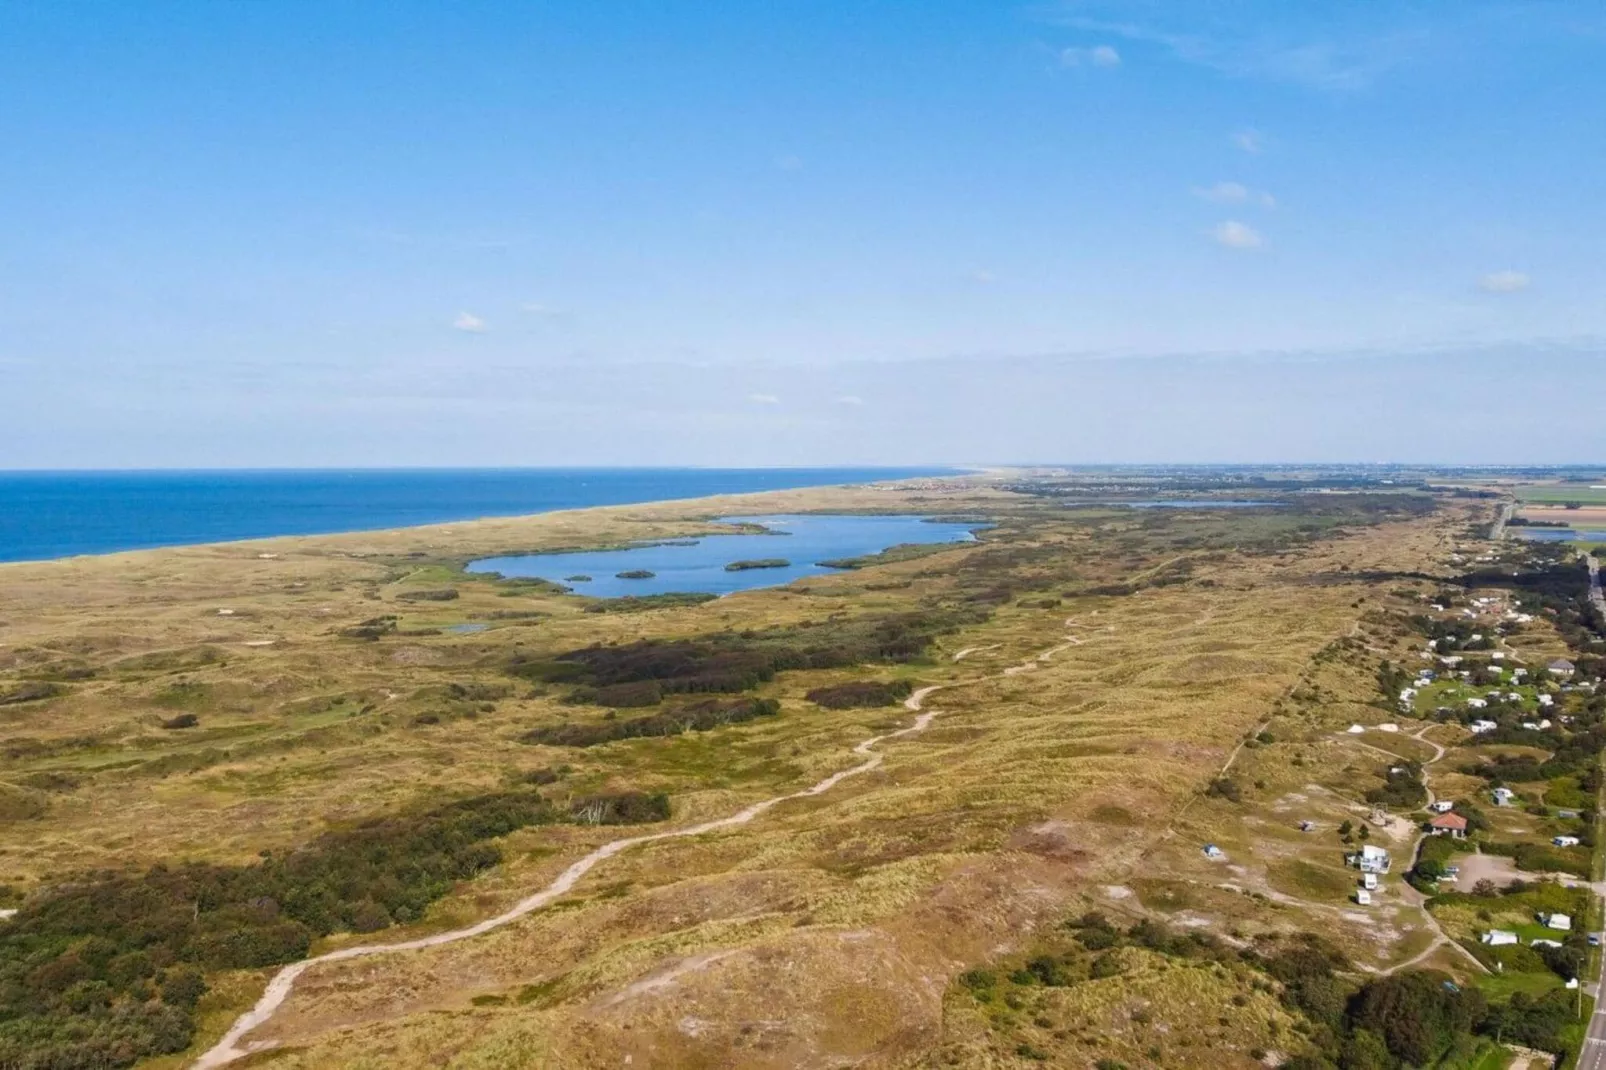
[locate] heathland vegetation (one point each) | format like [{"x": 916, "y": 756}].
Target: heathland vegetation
[{"x": 361, "y": 754}]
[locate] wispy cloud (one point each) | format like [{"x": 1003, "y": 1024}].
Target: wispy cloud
[
  {"x": 1097, "y": 56},
  {"x": 1250, "y": 141},
  {"x": 1504, "y": 282},
  {"x": 1235, "y": 193},
  {"x": 467, "y": 321},
  {"x": 1340, "y": 54},
  {"x": 789, "y": 162},
  {"x": 851, "y": 400},
  {"x": 763, "y": 399},
  {"x": 1232, "y": 234}
]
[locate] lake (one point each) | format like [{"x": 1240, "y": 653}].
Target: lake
[
  {"x": 699, "y": 565},
  {"x": 56, "y": 514},
  {"x": 1557, "y": 534}
]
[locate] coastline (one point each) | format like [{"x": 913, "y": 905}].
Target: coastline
[
  {"x": 501, "y": 535},
  {"x": 53, "y": 516}
]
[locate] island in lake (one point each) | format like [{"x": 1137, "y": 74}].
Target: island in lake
[
  {"x": 634, "y": 574},
  {"x": 762, "y": 562}
]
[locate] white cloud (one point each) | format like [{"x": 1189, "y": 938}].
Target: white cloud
[
  {"x": 1235, "y": 193},
  {"x": 1250, "y": 141},
  {"x": 1097, "y": 56},
  {"x": 467, "y": 321},
  {"x": 1503, "y": 282},
  {"x": 538, "y": 308},
  {"x": 983, "y": 278},
  {"x": 763, "y": 399},
  {"x": 850, "y": 399},
  {"x": 1224, "y": 193},
  {"x": 789, "y": 162},
  {"x": 1235, "y": 235}
]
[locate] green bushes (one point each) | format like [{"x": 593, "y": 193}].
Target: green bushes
[
  {"x": 31, "y": 692},
  {"x": 692, "y": 717},
  {"x": 105, "y": 971},
  {"x": 860, "y": 694},
  {"x": 641, "y": 603},
  {"x": 737, "y": 661},
  {"x": 634, "y": 574},
  {"x": 1402, "y": 788},
  {"x": 444, "y": 594}
]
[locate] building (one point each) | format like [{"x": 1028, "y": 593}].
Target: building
[
  {"x": 1480, "y": 727},
  {"x": 1453, "y": 825},
  {"x": 1564, "y": 841},
  {"x": 1561, "y": 667},
  {"x": 1363, "y": 897},
  {"x": 1370, "y": 859},
  {"x": 1213, "y": 852},
  {"x": 1499, "y": 937},
  {"x": 1559, "y": 922},
  {"x": 1369, "y": 881},
  {"x": 1503, "y": 796},
  {"x": 1442, "y": 806}
]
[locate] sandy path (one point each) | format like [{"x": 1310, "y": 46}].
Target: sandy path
[{"x": 230, "y": 1047}]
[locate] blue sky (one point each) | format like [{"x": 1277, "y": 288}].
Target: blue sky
[{"x": 409, "y": 233}]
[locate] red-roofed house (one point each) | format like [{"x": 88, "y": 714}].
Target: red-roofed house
[{"x": 1449, "y": 824}]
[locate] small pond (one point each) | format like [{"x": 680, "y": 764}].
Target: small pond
[{"x": 792, "y": 550}]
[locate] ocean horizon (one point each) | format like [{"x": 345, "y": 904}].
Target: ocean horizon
[{"x": 48, "y": 514}]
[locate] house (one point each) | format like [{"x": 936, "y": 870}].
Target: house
[
  {"x": 1532, "y": 726},
  {"x": 1307, "y": 826},
  {"x": 1499, "y": 938},
  {"x": 1212, "y": 852},
  {"x": 1369, "y": 881},
  {"x": 1567, "y": 813},
  {"x": 1561, "y": 667},
  {"x": 1503, "y": 796},
  {"x": 1388, "y": 726},
  {"x": 1542, "y": 942},
  {"x": 1452, "y": 825},
  {"x": 1564, "y": 841},
  {"x": 1545, "y": 700},
  {"x": 1572, "y": 983},
  {"x": 1363, "y": 897},
  {"x": 1371, "y": 859},
  {"x": 1497, "y": 656},
  {"x": 1559, "y": 922},
  {"x": 1477, "y": 703},
  {"x": 1355, "y": 729},
  {"x": 1442, "y": 806}
]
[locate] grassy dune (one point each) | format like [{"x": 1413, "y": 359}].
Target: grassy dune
[{"x": 1121, "y": 662}]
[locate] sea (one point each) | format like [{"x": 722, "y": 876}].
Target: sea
[{"x": 47, "y": 515}]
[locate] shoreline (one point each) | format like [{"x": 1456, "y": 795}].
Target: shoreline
[{"x": 456, "y": 529}]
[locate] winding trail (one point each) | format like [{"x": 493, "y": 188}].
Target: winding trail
[{"x": 230, "y": 1047}]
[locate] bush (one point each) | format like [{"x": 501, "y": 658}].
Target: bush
[
  {"x": 106, "y": 970},
  {"x": 691, "y": 717},
  {"x": 445, "y": 594},
  {"x": 183, "y": 720},
  {"x": 861, "y": 694}
]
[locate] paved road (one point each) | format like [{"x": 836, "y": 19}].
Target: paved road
[
  {"x": 1595, "y": 595},
  {"x": 1499, "y": 530},
  {"x": 1593, "y": 1057}
]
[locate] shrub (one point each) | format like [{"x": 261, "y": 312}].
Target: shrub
[
  {"x": 861, "y": 694},
  {"x": 690, "y": 717}
]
